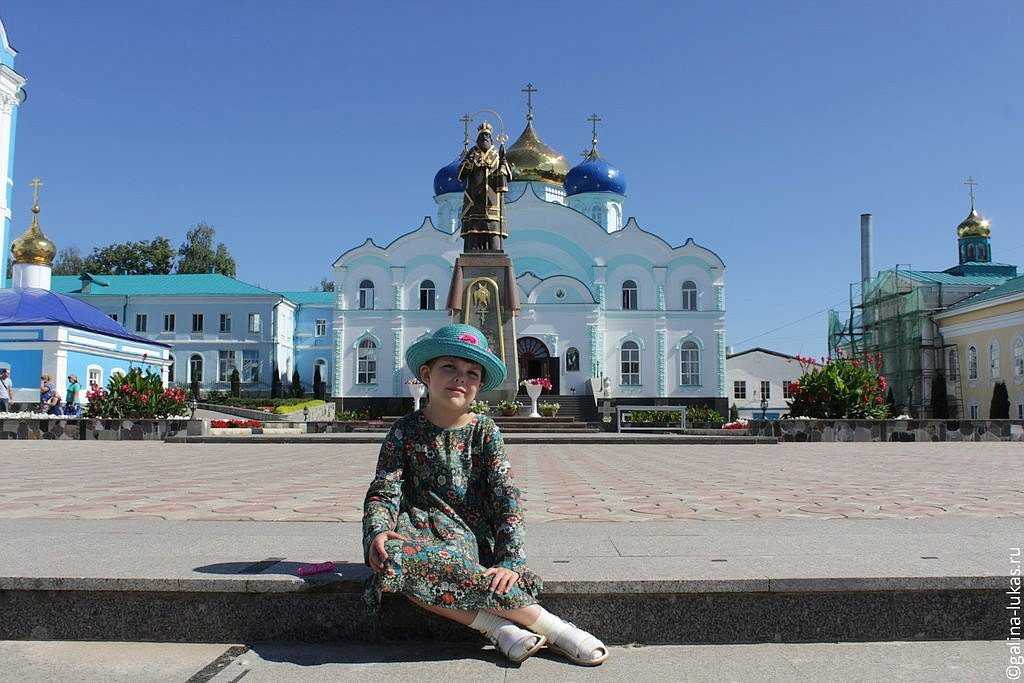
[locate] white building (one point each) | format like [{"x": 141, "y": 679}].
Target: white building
[
  {"x": 600, "y": 298},
  {"x": 759, "y": 373}
]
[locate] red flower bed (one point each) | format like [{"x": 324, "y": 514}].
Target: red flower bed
[{"x": 220, "y": 424}]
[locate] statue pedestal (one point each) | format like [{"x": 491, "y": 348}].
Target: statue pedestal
[{"x": 483, "y": 294}]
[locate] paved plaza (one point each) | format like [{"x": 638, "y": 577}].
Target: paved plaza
[{"x": 327, "y": 482}]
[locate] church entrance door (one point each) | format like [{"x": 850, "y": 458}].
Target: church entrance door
[{"x": 536, "y": 361}]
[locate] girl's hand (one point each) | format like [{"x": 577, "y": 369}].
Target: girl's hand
[
  {"x": 377, "y": 553},
  {"x": 503, "y": 579}
]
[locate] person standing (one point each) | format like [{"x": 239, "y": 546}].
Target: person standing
[
  {"x": 6, "y": 391},
  {"x": 71, "y": 398}
]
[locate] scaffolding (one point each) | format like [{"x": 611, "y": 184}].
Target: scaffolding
[{"x": 891, "y": 314}]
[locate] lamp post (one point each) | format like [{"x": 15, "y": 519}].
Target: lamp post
[{"x": 764, "y": 406}]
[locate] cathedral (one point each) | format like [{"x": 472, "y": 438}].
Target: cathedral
[{"x": 601, "y": 298}]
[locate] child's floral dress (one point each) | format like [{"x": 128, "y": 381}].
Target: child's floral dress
[{"x": 451, "y": 492}]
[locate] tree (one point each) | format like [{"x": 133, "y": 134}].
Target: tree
[
  {"x": 198, "y": 255},
  {"x": 69, "y": 261},
  {"x": 1000, "y": 408},
  {"x": 236, "y": 383},
  {"x": 890, "y": 399},
  {"x": 153, "y": 257},
  {"x": 324, "y": 286},
  {"x": 296, "y": 384},
  {"x": 275, "y": 382},
  {"x": 318, "y": 383},
  {"x": 734, "y": 413},
  {"x": 940, "y": 401}
]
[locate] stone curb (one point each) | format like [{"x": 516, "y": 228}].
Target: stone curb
[{"x": 573, "y": 438}]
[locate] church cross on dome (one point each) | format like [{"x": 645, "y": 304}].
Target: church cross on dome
[
  {"x": 594, "y": 120},
  {"x": 466, "y": 120},
  {"x": 971, "y": 183},
  {"x": 529, "y": 90},
  {"x": 36, "y": 184}
]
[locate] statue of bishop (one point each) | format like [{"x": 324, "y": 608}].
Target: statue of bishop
[{"x": 485, "y": 173}]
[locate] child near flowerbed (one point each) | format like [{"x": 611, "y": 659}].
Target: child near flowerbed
[{"x": 442, "y": 523}]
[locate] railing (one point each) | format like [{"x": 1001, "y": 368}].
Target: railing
[{"x": 621, "y": 424}]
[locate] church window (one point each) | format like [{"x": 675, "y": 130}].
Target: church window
[
  {"x": 787, "y": 389},
  {"x": 170, "y": 370},
  {"x": 94, "y": 375},
  {"x": 195, "y": 368},
  {"x": 427, "y": 295},
  {"x": 140, "y": 322},
  {"x": 974, "y": 411},
  {"x": 739, "y": 389},
  {"x": 197, "y": 322},
  {"x": 993, "y": 359},
  {"x": 225, "y": 322},
  {"x": 572, "y": 360},
  {"x": 168, "y": 322},
  {"x": 970, "y": 252},
  {"x": 614, "y": 217},
  {"x": 766, "y": 389},
  {"x": 321, "y": 327},
  {"x": 226, "y": 363},
  {"x": 972, "y": 363},
  {"x": 689, "y": 364},
  {"x": 629, "y": 356},
  {"x": 1018, "y": 357},
  {"x": 365, "y": 294},
  {"x": 366, "y": 362},
  {"x": 255, "y": 324},
  {"x": 952, "y": 366},
  {"x": 629, "y": 295},
  {"x": 250, "y": 365},
  {"x": 322, "y": 364},
  {"x": 689, "y": 296}
]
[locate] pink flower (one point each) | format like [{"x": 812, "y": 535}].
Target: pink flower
[{"x": 467, "y": 337}]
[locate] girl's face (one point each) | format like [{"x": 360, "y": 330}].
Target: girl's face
[{"x": 452, "y": 382}]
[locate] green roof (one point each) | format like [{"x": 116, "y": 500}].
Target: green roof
[
  {"x": 950, "y": 279},
  {"x": 1014, "y": 286},
  {"x": 325, "y": 298},
  {"x": 198, "y": 284}
]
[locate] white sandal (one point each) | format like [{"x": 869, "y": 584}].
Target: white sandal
[
  {"x": 509, "y": 639},
  {"x": 577, "y": 641}
]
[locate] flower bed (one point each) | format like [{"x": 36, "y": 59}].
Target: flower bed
[
  {"x": 802, "y": 430},
  {"x": 236, "y": 424}
]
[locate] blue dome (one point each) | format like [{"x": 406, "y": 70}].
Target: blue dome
[
  {"x": 30, "y": 306},
  {"x": 447, "y": 179},
  {"x": 594, "y": 175}
]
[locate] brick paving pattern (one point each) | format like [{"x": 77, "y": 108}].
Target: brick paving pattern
[{"x": 327, "y": 482}]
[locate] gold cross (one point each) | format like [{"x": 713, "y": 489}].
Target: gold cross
[
  {"x": 971, "y": 183},
  {"x": 36, "y": 184},
  {"x": 529, "y": 90}
]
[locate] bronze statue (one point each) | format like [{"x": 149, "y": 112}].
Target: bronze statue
[{"x": 485, "y": 174}]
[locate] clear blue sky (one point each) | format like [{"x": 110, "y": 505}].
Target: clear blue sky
[{"x": 760, "y": 129}]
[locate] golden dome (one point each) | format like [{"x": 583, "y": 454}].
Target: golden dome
[
  {"x": 32, "y": 246},
  {"x": 531, "y": 159},
  {"x": 975, "y": 225}
]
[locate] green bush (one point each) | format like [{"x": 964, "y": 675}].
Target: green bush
[
  {"x": 842, "y": 388},
  {"x": 136, "y": 395},
  {"x": 296, "y": 407},
  {"x": 351, "y": 415},
  {"x": 999, "y": 409}
]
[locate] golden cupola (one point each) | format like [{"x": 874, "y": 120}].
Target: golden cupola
[
  {"x": 32, "y": 247},
  {"x": 975, "y": 225},
  {"x": 531, "y": 159}
]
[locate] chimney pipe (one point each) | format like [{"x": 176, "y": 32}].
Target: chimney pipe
[{"x": 867, "y": 244}]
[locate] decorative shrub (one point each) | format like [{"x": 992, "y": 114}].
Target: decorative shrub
[
  {"x": 703, "y": 415},
  {"x": 221, "y": 424},
  {"x": 509, "y": 408},
  {"x": 236, "y": 383},
  {"x": 479, "y": 407},
  {"x": 548, "y": 409},
  {"x": 296, "y": 388},
  {"x": 134, "y": 396},
  {"x": 734, "y": 412},
  {"x": 294, "y": 407},
  {"x": 697, "y": 414},
  {"x": 842, "y": 388},
  {"x": 999, "y": 409},
  {"x": 940, "y": 402},
  {"x": 351, "y": 415},
  {"x": 275, "y": 382}
]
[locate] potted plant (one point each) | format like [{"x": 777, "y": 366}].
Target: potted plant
[
  {"x": 479, "y": 407},
  {"x": 416, "y": 390},
  {"x": 509, "y": 408},
  {"x": 549, "y": 409},
  {"x": 533, "y": 389}
]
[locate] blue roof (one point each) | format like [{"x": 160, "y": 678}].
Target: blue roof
[
  {"x": 1014, "y": 286},
  {"x": 595, "y": 174},
  {"x": 188, "y": 284},
  {"x": 447, "y": 179},
  {"x": 31, "y": 306},
  {"x": 301, "y": 298}
]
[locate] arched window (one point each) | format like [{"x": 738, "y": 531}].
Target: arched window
[
  {"x": 972, "y": 363},
  {"x": 427, "y": 295},
  {"x": 572, "y": 359},
  {"x": 366, "y": 294},
  {"x": 1018, "y": 357},
  {"x": 320, "y": 363},
  {"x": 993, "y": 359},
  {"x": 689, "y": 364},
  {"x": 952, "y": 366},
  {"x": 629, "y": 356},
  {"x": 629, "y": 295},
  {"x": 689, "y": 296},
  {"x": 94, "y": 375},
  {"x": 170, "y": 370},
  {"x": 970, "y": 252},
  {"x": 195, "y": 368},
  {"x": 366, "y": 362},
  {"x": 614, "y": 217}
]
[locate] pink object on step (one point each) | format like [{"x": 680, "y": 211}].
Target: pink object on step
[{"x": 308, "y": 569}]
